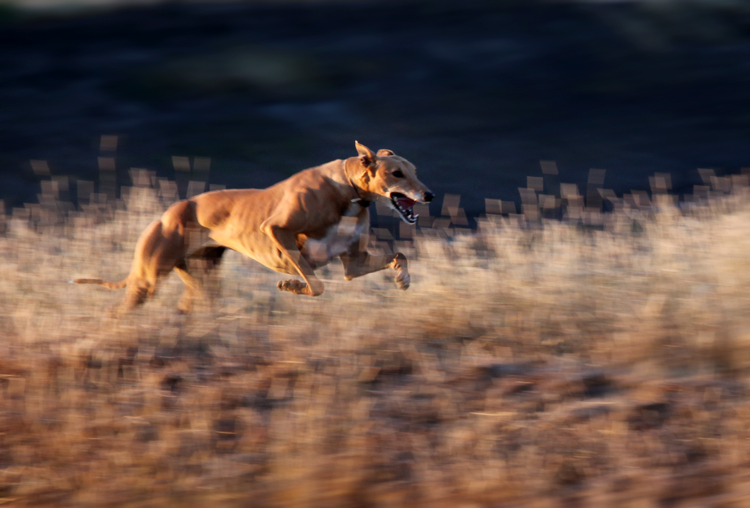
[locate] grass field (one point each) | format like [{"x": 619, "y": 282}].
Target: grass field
[{"x": 600, "y": 360}]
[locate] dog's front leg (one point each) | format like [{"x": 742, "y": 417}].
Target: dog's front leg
[
  {"x": 286, "y": 242},
  {"x": 358, "y": 263}
]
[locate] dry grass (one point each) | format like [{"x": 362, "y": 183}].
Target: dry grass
[{"x": 597, "y": 361}]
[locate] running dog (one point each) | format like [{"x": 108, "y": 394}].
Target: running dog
[{"x": 293, "y": 227}]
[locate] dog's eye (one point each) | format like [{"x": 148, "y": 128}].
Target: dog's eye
[{"x": 398, "y": 174}]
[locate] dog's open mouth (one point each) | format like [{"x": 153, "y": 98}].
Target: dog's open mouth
[{"x": 404, "y": 206}]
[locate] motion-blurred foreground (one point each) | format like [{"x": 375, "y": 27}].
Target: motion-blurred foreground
[{"x": 596, "y": 361}]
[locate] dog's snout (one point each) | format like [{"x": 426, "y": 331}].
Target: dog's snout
[{"x": 428, "y": 196}]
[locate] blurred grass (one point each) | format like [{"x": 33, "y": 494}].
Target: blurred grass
[{"x": 597, "y": 360}]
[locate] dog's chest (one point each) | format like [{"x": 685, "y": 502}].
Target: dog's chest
[{"x": 338, "y": 238}]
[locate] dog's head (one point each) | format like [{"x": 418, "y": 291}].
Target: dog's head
[{"x": 392, "y": 178}]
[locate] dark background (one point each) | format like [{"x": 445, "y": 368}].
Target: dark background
[{"x": 474, "y": 93}]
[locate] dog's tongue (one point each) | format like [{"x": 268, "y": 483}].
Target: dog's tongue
[{"x": 405, "y": 202}]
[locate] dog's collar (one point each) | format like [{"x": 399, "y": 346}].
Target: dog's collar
[{"x": 361, "y": 202}]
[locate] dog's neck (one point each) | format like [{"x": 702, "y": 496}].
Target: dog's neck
[{"x": 364, "y": 203}]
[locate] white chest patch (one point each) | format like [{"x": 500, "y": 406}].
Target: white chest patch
[{"x": 337, "y": 240}]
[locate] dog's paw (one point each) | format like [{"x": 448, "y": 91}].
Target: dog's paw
[
  {"x": 403, "y": 280},
  {"x": 295, "y": 286}
]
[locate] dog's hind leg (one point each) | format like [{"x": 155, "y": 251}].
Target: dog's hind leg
[
  {"x": 157, "y": 252},
  {"x": 193, "y": 288},
  {"x": 135, "y": 295},
  {"x": 198, "y": 272},
  {"x": 358, "y": 263}
]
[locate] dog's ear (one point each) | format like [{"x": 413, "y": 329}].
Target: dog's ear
[
  {"x": 384, "y": 152},
  {"x": 366, "y": 157}
]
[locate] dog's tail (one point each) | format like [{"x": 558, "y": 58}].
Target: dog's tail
[{"x": 109, "y": 285}]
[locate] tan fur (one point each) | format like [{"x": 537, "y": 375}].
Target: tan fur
[{"x": 293, "y": 227}]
